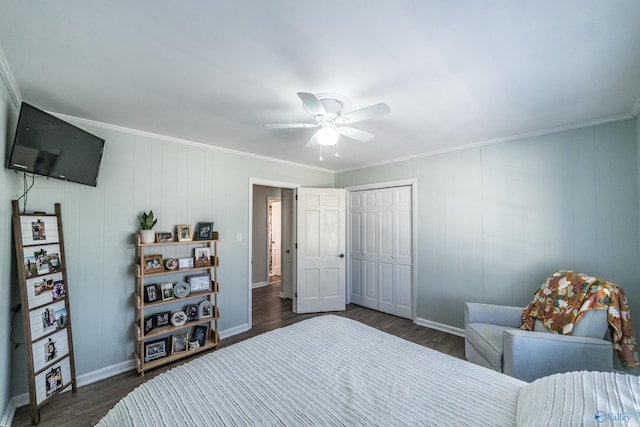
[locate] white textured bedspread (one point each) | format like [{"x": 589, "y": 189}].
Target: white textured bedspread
[{"x": 327, "y": 370}]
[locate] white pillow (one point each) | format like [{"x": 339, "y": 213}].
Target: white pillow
[{"x": 580, "y": 398}]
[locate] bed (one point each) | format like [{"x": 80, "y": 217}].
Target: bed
[{"x": 331, "y": 370}]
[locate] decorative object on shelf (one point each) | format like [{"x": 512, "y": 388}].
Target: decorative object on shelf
[
  {"x": 200, "y": 283},
  {"x": 205, "y": 309},
  {"x": 181, "y": 289},
  {"x": 162, "y": 319},
  {"x": 179, "y": 343},
  {"x": 171, "y": 264},
  {"x": 153, "y": 264},
  {"x": 155, "y": 349},
  {"x": 202, "y": 257},
  {"x": 184, "y": 233},
  {"x": 151, "y": 293},
  {"x": 179, "y": 318},
  {"x": 185, "y": 262},
  {"x": 166, "y": 290},
  {"x": 148, "y": 324},
  {"x": 194, "y": 344},
  {"x": 192, "y": 312},
  {"x": 204, "y": 231},
  {"x": 164, "y": 237},
  {"x": 200, "y": 334},
  {"x": 147, "y": 221}
]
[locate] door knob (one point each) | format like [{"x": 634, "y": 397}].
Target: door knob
[{"x": 341, "y": 255}]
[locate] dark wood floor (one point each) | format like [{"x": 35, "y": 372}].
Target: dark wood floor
[{"x": 91, "y": 402}]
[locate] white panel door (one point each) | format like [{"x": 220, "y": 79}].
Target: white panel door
[
  {"x": 381, "y": 251},
  {"x": 321, "y": 265}
]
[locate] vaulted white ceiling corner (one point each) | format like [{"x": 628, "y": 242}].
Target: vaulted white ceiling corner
[{"x": 455, "y": 74}]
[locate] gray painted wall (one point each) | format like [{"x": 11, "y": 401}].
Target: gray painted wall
[
  {"x": 8, "y": 182},
  {"x": 183, "y": 184},
  {"x": 261, "y": 194},
  {"x": 494, "y": 222}
]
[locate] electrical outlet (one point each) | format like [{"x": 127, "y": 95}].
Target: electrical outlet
[{"x": 239, "y": 237}]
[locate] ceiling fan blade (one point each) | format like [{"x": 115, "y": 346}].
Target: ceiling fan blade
[
  {"x": 366, "y": 113},
  {"x": 291, "y": 125},
  {"x": 312, "y": 141},
  {"x": 311, "y": 103},
  {"x": 356, "y": 134}
]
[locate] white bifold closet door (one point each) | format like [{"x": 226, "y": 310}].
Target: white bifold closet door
[{"x": 381, "y": 250}]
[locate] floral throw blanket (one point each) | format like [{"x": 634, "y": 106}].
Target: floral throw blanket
[{"x": 565, "y": 296}]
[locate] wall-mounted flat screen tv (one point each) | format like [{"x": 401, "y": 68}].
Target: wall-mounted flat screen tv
[{"x": 48, "y": 146}]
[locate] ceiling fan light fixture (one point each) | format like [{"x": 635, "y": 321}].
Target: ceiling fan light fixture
[{"x": 328, "y": 135}]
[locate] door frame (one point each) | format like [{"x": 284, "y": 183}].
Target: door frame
[
  {"x": 267, "y": 183},
  {"x": 413, "y": 182}
]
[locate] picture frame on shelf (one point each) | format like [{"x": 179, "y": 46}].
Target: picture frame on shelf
[
  {"x": 153, "y": 264},
  {"x": 162, "y": 319},
  {"x": 192, "y": 312},
  {"x": 149, "y": 324},
  {"x": 205, "y": 309},
  {"x": 164, "y": 237},
  {"x": 184, "y": 233},
  {"x": 200, "y": 283},
  {"x": 202, "y": 257},
  {"x": 185, "y": 263},
  {"x": 204, "y": 231},
  {"x": 151, "y": 293},
  {"x": 179, "y": 343},
  {"x": 156, "y": 349},
  {"x": 171, "y": 264},
  {"x": 200, "y": 334},
  {"x": 166, "y": 290},
  {"x": 178, "y": 318}
]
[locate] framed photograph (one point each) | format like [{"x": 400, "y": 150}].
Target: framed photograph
[
  {"x": 156, "y": 349},
  {"x": 200, "y": 333},
  {"x": 162, "y": 319},
  {"x": 184, "y": 233},
  {"x": 53, "y": 380},
  {"x": 205, "y": 309},
  {"x": 204, "y": 231},
  {"x": 200, "y": 283},
  {"x": 178, "y": 318},
  {"x": 37, "y": 230},
  {"x": 185, "y": 263},
  {"x": 166, "y": 290},
  {"x": 202, "y": 257},
  {"x": 180, "y": 343},
  {"x": 148, "y": 324},
  {"x": 171, "y": 264},
  {"x": 192, "y": 312},
  {"x": 153, "y": 264},
  {"x": 151, "y": 293},
  {"x": 164, "y": 237}
]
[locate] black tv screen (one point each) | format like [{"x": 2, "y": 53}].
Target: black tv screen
[{"x": 48, "y": 146}]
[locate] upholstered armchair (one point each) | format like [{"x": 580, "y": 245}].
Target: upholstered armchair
[{"x": 493, "y": 339}]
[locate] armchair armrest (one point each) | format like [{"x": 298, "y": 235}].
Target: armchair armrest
[
  {"x": 503, "y": 315},
  {"x": 530, "y": 355}
]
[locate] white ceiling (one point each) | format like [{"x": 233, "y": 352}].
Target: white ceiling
[{"x": 454, "y": 73}]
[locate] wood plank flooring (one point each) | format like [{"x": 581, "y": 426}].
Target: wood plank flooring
[{"x": 93, "y": 401}]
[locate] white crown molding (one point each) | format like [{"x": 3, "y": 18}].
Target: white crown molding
[
  {"x": 9, "y": 81},
  {"x": 580, "y": 125},
  {"x": 635, "y": 111},
  {"x": 182, "y": 141}
]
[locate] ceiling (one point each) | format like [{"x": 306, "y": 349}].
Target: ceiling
[{"x": 453, "y": 73}]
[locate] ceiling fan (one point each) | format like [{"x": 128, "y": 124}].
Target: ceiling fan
[{"x": 331, "y": 112}]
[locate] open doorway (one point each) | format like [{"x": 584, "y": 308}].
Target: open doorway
[{"x": 271, "y": 243}]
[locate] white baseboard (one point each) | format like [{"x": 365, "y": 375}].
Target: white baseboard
[
  {"x": 9, "y": 412},
  {"x": 440, "y": 327},
  {"x": 234, "y": 331},
  {"x": 259, "y": 285}
]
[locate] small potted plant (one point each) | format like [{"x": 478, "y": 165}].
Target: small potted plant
[{"x": 147, "y": 221}]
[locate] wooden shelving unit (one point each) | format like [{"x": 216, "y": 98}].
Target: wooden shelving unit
[{"x": 145, "y": 308}]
